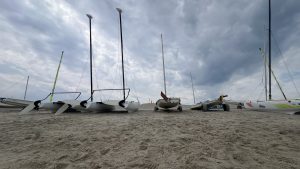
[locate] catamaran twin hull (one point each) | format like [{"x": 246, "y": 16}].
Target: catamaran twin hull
[
  {"x": 291, "y": 107},
  {"x": 82, "y": 106},
  {"x": 112, "y": 105}
]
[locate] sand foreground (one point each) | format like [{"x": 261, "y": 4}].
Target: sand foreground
[{"x": 152, "y": 140}]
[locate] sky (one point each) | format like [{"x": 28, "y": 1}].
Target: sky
[{"x": 217, "y": 42}]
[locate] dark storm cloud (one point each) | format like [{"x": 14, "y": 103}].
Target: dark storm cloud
[{"x": 225, "y": 36}]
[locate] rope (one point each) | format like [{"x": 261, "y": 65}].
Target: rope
[
  {"x": 285, "y": 64},
  {"x": 78, "y": 85},
  {"x": 261, "y": 82},
  {"x": 96, "y": 74}
]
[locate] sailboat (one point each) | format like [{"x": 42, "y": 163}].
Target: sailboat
[
  {"x": 56, "y": 107},
  {"x": 290, "y": 106},
  {"x": 111, "y": 105},
  {"x": 166, "y": 102},
  {"x": 18, "y": 103}
]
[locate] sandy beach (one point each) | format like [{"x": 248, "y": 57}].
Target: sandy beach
[{"x": 150, "y": 140}]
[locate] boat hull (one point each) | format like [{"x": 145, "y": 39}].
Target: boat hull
[
  {"x": 171, "y": 103},
  {"x": 274, "y": 106},
  {"x": 132, "y": 106},
  {"x": 100, "y": 107},
  {"x": 52, "y": 106},
  {"x": 15, "y": 102}
]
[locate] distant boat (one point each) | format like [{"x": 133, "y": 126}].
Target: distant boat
[
  {"x": 17, "y": 103},
  {"x": 166, "y": 102},
  {"x": 292, "y": 106},
  {"x": 20, "y": 103}
]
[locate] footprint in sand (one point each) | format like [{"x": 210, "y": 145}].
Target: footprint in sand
[
  {"x": 144, "y": 144},
  {"x": 105, "y": 151}
]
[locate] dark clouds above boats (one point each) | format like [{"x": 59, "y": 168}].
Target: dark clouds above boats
[{"x": 217, "y": 41}]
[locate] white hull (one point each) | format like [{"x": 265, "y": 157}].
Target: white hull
[
  {"x": 16, "y": 102},
  {"x": 113, "y": 105},
  {"x": 292, "y": 106},
  {"x": 132, "y": 106},
  {"x": 196, "y": 107},
  {"x": 82, "y": 106}
]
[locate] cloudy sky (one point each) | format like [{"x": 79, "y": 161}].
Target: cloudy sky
[{"x": 215, "y": 41}]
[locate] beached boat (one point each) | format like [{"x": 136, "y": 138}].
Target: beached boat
[
  {"x": 291, "y": 106},
  {"x": 56, "y": 107},
  {"x": 166, "y": 102},
  {"x": 16, "y": 102},
  {"x": 218, "y": 103},
  {"x": 111, "y": 105}
]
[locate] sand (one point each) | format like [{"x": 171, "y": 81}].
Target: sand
[{"x": 150, "y": 140}]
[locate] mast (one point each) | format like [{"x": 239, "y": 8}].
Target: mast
[
  {"x": 163, "y": 59},
  {"x": 26, "y": 88},
  {"x": 120, "y": 11},
  {"x": 270, "y": 70},
  {"x": 91, "y": 58},
  {"x": 193, "y": 87},
  {"x": 265, "y": 66},
  {"x": 56, "y": 76}
]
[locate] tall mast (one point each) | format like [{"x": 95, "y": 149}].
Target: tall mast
[
  {"x": 270, "y": 70},
  {"x": 163, "y": 59},
  {"x": 91, "y": 57},
  {"x": 193, "y": 87},
  {"x": 26, "y": 88},
  {"x": 56, "y": 76},
  {"x": 265, "y": 66},
  {"x": 120, "y": 11}
]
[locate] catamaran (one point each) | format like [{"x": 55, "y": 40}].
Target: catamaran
[
  {"x": 86, "y": 105},
  {"x": 30, "y": 105},
  {"x": 291, "y": 106},
  {"x": 166, "y": 102},
  {"x": 110, "y": 105},
  {"x": 56, "y": 107}
]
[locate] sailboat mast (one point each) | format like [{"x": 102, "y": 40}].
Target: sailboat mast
[
  {"x": 120, "y": 11},
  {"x": 91, "y": 57},
  {"x": 26, "y": 88},
  {"x": 56, "y": 76},
  {"x": 193, "y": 87},
  {"x": 265, "y": 67},
  {"x": 270, "y": 70},
  {"x": 163, "y": 59}
]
